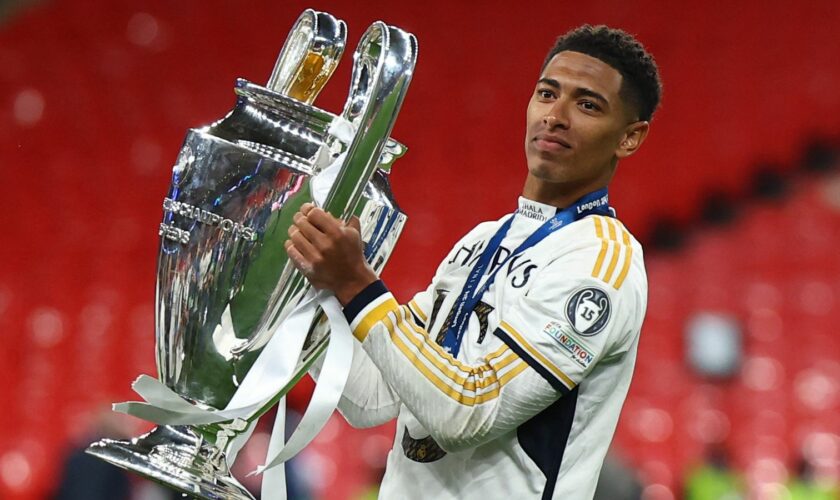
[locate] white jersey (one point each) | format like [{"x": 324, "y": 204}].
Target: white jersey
[{"x": 529, "y": 406}]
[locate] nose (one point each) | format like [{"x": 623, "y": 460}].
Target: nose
[
  {"x": 551, "y": 121},
  {"x": 556, "y": 116}
]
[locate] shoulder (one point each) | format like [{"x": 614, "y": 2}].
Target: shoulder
[
  {"x": 602, "y": 249},
  {"x": 597, "y": 257},
  {"x": 596, "y": 279}
]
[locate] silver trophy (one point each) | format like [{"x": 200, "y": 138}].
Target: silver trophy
[{"x": 224, "y": 280}]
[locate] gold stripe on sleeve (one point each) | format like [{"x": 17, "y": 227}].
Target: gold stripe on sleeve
[
  {"x": 400, "y": 332},
  {"x": 430, "y": 376},
  {"x": 629, "y": 255},
  {"x": 599, "y": 231},
  {"x": 457, "y": 395},
  {"x": 440, "y": 364},
  {"x": 568, "y": 382},
  {"x": 521, "y": 367},
  {"x": 616, "y": 251},
  {"x": 434, "y": 345},
  {"x": 373, "y": 317},
  {"x": 497, "y": 353},
  {"x": 419, "y": 312},
  {"x": 506, "y": 361},
  {"x": 449, "y": 366}
]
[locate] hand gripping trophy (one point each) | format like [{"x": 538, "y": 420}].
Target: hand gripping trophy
[{"x": 236, "y": 325}]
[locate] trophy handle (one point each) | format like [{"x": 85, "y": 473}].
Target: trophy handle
[
  {"x": 309, "y": 56},
  {"x": 383, "y": 65}
]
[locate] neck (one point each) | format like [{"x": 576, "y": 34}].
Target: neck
[{"x": 556, "y": 194}]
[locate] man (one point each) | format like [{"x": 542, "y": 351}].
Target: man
[{"x": 507, "y": 375}]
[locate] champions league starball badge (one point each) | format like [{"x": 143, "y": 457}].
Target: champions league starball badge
[{"x": 588, "y": 311}]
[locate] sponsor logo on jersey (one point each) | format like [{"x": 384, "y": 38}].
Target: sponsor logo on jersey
[
  {"x": 588, "y": 311},
  {"x": 577, "y": 352}
]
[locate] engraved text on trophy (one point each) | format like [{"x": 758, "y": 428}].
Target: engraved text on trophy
[{"x": 173, "y": 233}]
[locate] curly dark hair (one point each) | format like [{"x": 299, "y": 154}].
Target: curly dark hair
[{"x": 640, "y": 76}]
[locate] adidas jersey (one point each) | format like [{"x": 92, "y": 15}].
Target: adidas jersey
[{"x": 529, "y": 406}]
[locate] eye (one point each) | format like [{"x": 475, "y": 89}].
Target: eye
[
  {"x": 589, "y": 106},
  {"x": 545, "y": 94}
]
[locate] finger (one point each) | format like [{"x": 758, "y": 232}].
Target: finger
[
  {"x": 324, "y": 221},
  {"x": 306, "y": 208},
  {"x": 312, "y": 233},
  {"x": 303, "y": 245},
  {"x": 298, "y": 260},
  {"x": 355, "y": 226}
]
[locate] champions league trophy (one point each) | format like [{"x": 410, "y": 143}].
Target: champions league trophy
[{"x": 225, "y": 283}]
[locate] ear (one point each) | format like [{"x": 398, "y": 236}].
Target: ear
[{"x": 634, "y": 136}]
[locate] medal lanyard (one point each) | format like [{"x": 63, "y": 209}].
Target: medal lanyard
[{"x": 596, "y": 202}]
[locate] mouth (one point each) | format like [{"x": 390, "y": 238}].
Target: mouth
[{"x": 552, "y": 143}]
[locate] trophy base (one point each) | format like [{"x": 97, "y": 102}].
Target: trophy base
[{"x": 176, "y": 457}]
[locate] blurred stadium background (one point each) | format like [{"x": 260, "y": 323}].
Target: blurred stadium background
[{"x": 736, "y": 196}]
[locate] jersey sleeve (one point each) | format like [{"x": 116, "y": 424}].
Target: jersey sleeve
[
  {"x": 367, "y": 400},
  {"x": 460, "y": 405},
  {"x": 574, "y": 316}
]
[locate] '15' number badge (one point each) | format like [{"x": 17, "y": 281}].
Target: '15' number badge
[{"x": 588, "y": 311}]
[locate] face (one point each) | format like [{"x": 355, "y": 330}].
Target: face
[{"x": 578, "y": 125}]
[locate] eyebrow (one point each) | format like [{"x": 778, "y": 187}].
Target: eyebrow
[{"x": 580, "y": 91}]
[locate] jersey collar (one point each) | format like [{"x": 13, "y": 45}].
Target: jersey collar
[{"x": 535, "y": 210}]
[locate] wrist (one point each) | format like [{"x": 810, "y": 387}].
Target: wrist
[{"x": 349, "y": 289}]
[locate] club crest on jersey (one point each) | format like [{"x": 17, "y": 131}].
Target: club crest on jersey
[{"x": 588, "y": 310}]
